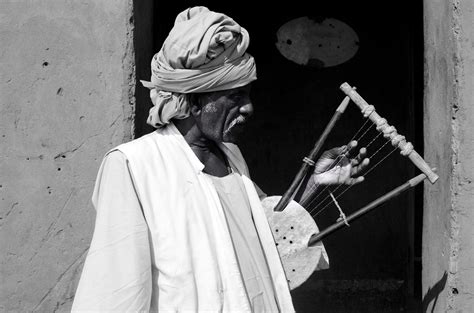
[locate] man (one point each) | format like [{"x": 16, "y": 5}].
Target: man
[{"x": 179, "y": 224}]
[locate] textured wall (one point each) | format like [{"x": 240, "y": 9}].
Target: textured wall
[
  {"x": 67, "y": 84},
  {"x": 448, "y": 237}
]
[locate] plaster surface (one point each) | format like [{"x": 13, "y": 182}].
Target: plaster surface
[
  {"x": 66, "y": 93},
  {"x": 448, "y": 236}
]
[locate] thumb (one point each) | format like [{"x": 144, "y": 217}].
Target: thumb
[{"x": 334, "y": 152}]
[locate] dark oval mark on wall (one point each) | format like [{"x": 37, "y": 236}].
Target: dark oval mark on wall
[{"x": 317, "y": 42}]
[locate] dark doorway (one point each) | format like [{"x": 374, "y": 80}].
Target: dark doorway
[{"x": 375, "y": 264}]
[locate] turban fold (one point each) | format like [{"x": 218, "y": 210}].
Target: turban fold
[{"x": 204, "y": 52}]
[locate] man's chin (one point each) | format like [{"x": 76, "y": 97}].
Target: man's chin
[
  {"x": 231, "y": 140},
  {"x": 233, "y": 137}
]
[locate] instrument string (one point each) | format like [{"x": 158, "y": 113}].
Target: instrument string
[
  {"x": 365, "y": 132},
  {"x": 372, "y": 141},
  {"x": 350, "y": 186},
  {"x": 367, "y": 120},
  {"x": 377, "y": 164}
]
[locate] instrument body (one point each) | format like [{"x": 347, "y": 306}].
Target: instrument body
[{"x": 292, "y": 229}]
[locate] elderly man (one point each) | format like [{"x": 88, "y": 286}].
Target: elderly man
[{"x": 179, "y": 225}]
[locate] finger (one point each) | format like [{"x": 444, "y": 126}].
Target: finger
[
  {"x": 357, "y": 180},
  {"x": 359, "y": 157},
  {"x": 330, "y": 158},
  {"x": 351, "y": 145},
  {"x": 354, "y": 180},
  {"x": 334, "y": 152},
  {"x": 360, "y": 169},
  {"x": 362, "y": 153},
  {"x": 354, "y": 162}
]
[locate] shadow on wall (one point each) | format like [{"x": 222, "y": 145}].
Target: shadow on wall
[{"x": 433, "y": 293}]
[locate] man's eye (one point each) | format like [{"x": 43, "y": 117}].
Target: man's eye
[{"x": 236, "y": 96}]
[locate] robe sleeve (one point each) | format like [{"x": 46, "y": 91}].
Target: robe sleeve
[{"x": 117, "y": 272}]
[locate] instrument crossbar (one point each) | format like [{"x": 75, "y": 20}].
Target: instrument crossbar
[
  {"x": 366, "y": 209},
  {"x": 389, "y": 132}
]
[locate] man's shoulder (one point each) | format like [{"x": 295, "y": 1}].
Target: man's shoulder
[
  {"x": 157, "y": 145},
  {"x": 137, "y": 142},
  {"x": 138, "y": 146}
]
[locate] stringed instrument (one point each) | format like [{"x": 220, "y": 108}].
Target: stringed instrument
[{"x": 296, "y": 234}]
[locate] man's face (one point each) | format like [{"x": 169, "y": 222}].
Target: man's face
[{"x": 221, "y": 115}]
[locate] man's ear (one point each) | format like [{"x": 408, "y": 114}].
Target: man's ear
[{"x": 195, "y": 109}]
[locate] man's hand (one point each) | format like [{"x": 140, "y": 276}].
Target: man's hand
[{"x": 335, "y": 167}]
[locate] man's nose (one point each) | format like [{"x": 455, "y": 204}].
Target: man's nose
[{"x": 246, "y": 109}]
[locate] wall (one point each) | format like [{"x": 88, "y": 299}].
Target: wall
[
  {"x": 67, "y": 84},
  {"x": 448, "y": 235}
]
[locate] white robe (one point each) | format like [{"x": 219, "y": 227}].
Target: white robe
[{"x": 161, "y": 242}]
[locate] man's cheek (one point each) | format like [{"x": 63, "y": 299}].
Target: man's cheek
[{"x": 210, "y": 108}]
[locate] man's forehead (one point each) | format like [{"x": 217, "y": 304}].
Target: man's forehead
[
  {"x": 241, "y": 89},
  {"x": 228, "y": 92}
]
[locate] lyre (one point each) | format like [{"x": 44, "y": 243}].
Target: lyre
[{"x": 304, "y": 252}]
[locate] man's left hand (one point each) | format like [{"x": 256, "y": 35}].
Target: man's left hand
[{"x": 336, "y": 167}]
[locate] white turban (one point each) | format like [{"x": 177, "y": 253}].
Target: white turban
[{"x": 204, "y": 52}]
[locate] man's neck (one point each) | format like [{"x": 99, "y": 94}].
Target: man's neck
[{"x": 207, "y": 151}]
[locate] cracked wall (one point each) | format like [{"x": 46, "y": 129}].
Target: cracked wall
[
  {"x": 448, "y": 232},
  {"x": 67, "y": 85}
]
